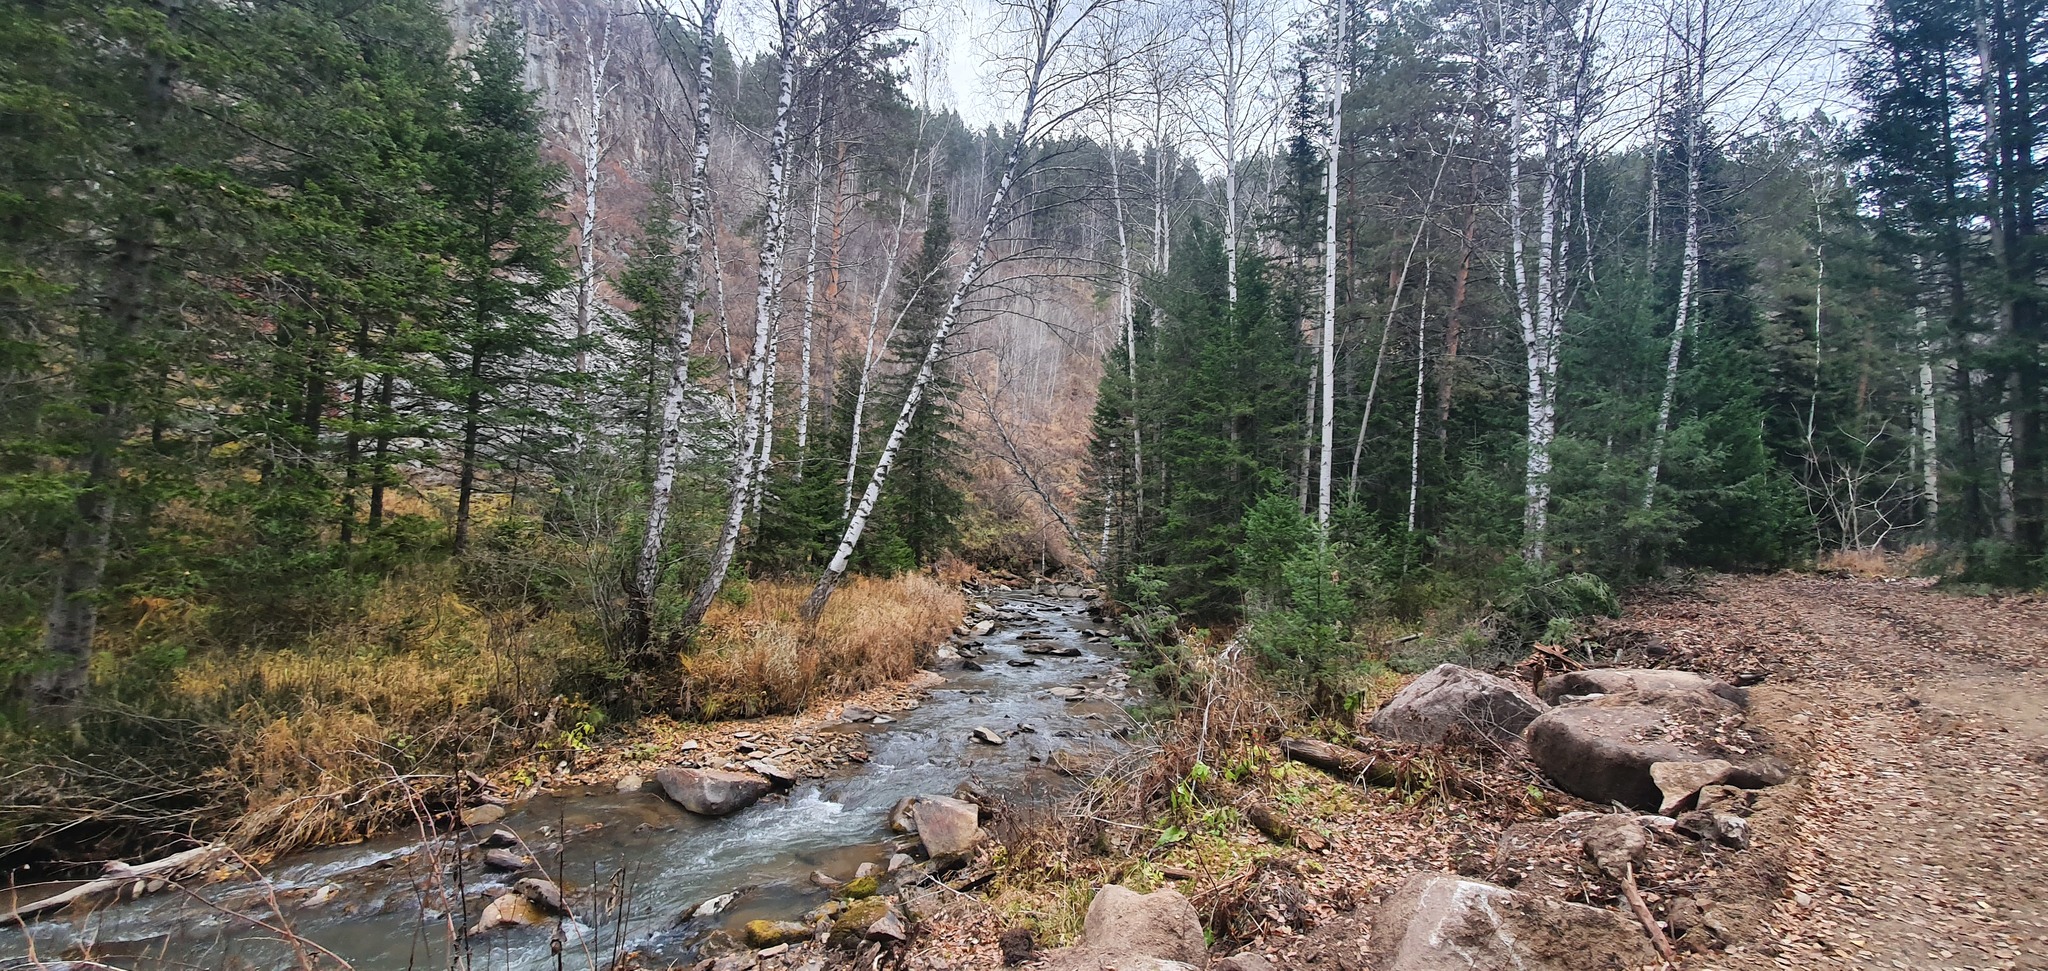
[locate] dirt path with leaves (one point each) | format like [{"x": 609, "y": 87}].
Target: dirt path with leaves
[{"x": 1917, "y": 834}]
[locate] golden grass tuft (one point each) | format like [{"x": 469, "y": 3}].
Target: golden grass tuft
[
  {"x": 1874, "y": 564},
  {"x": 756, "y": 658}
]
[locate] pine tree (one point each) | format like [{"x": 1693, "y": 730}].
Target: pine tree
[
  {"x": 924, "y": 509},
  {"x": 505, "y": 261}
]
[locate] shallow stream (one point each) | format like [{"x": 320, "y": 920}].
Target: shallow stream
[{"x": 632, "y": 864}]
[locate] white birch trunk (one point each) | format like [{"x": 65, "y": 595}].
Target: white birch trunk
[
  {"x": 803, "y": 388},
  {"x": 592, "y": 156},
  {"x": 1326, "y": 421},
  {"x": 871, "y": 352},
  {"x": 998, "y": 209},
  {"x": 1127, "y": 311},
  {"x": 1930, "y": 454},
  {"x": 672, "y": 451},
  {"x": 1688, "y": 275},
  {"x": 744, "y": 464},
  {"x": 1421, "y": 373}
]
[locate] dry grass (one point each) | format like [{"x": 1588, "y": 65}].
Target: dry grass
[
  {"x": 756, "y": 658},
  {"x": 1877, "y": 563},
  {"x": 365, "y": 723}
]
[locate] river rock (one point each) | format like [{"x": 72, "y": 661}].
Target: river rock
[
  {"x": 1439, "y": 922},
  {"x": 1022, "y": 662},
  {"x": 901, "y": 819},
  {"x": 1678, "y": 782},
  {"x": 503, "y": 859},
  {"x": 768, "y": 933},
  {"x": 780, "y": 777},
  {"x": 986, "y": 735},
  {"x": 1614, "y": 843},
  {"x": 545, "y": 894},
  {"x": 630, "y": 783},
  {"x": 1066, "y": 693},
  {"x": 1450, "y": 698},
  {"x": 483, "y": 815},
  {"x": 1722, "y": 828},
  {"x": 497, "y": 838},
  {"x": 508, "y": 910},
  {"x": 947, "y": 827},
  {"x": 711, "y": 792},
  {"x": 851, "y": 927},
  {"x": 854, "y": 714},
  {"x": 1602, "y": 749},
  {"x": 1248, "y": 961},
  {"x": 1614, "y": 681}
]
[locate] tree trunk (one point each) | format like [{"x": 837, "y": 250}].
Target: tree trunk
[
  {"x": 803, "y": 387},
  {"x": 1421, "y": 362},
  {"x": 592, "y": 157},
  {"x": 744, "y": 464},
  {"x": 1688, "y": 275},
  {"x": 1327, "y": 345},
  {"x": 1045, "y": 43},
  {"x": 73, "y": 616},
  {"x": 672, "y": 451}
]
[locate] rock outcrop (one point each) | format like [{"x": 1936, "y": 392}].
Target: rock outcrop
[
  {"x": 1602, "y": 749},
  {"x": 1440, "y": 922},
  {"x": 1614, "y": 681},
  {"x": 1450, "y": 700}
]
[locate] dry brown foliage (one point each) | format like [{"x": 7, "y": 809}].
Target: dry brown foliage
[{"x": 758, "y": 658}]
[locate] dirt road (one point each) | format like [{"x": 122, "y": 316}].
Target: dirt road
[{"x": 1917, "y": 834}]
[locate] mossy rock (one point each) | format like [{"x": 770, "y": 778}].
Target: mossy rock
[
  {"x": 861, "y": 889},
  {"x": 768, "y": 933},
  {"x": 851, "y": 927}
]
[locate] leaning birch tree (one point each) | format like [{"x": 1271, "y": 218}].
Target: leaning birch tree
[
  {"x": 673, "y": 450},
  {"x": 1048, "y": 28}
]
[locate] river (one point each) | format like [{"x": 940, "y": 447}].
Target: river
[{"x": 632, "y": 863}]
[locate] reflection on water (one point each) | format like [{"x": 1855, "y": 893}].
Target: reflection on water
[{"x": 629, "y": 863}]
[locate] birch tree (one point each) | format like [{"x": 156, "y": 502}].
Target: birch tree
[
  {"x": 1239, "y": 42},
  {"x": 1048, "y": 27},
  {"x": 1537, "y": 54},
  {"x": 673, "y": 450},
  {"x": 747, "y": 462},
  {"x": 1326, "y": 359},
  {"x": 1732, "y": 59},
  {"x": 597, "y": 56}
]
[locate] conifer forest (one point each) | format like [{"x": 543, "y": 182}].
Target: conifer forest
[{"x": 417, "y": 407}]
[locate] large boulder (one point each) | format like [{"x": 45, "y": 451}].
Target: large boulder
[
  {"x": 1602, "y": 749},
  {"x": 1129, "y": 931},
  {"x": 1440, "y": 922},
  {"x": 712, "y": 792},
  {"x": 1615, "y": 681},
  {"x": 1161, "y": 924},
  {"x": 1451, "y": 698},
  {"x": 947, "y": 827}
]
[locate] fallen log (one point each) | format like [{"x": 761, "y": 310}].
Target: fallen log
[
  {"x": 144, "y": 878},
  {"x": 1404, "y": 773}
]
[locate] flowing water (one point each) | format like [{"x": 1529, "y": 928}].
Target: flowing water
[{"x": 633, "y": 863}]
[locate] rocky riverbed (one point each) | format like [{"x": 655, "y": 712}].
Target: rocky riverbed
[{"x": 603, "y": 860}]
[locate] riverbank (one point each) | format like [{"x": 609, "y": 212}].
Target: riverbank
[
  {"x": 1895, "y": 840},
  {"x": 627, "y": 861},
  {"x": 417, "y": 703}
]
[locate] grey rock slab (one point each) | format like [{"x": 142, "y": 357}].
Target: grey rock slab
[
  {"x": 712, "y": 792},
  {"x": 1450, "y": 699},
  {"x": 1440, "y": 922}
]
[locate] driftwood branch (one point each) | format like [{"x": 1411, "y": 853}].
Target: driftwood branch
[
  {"x": 121, "y": 876},
  {"x": 1404, "y": 774},
  {"x": 1635, "y": 903}
]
